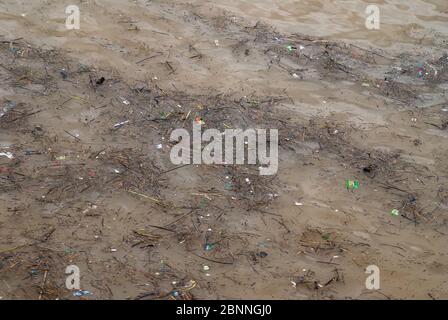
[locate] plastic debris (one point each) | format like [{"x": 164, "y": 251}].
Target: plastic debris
[
  {"x": 420, "y": 71},
  {"x": 199, "y": 120},
  {"x": 82, "y": 293},
  {"x": 120, "y": 124},
  {"x": 290, "y": 47},
  {"x": 395, "y": 212},
  {"x": 163, "y": 115},
  {"x": 34, "y": 272},
  {"x": 159, "y": 146},
  {"x": 298, "y": 204},
  {"x": 64, "y": 73},
  {"x": 216, "y": 42},
  {"x": 352, "y": 184},
  {"x": 206, "y": 268},
  {"x": 208, "y": 246},
  {"x": 60, "y": 158},
  {"x": 8, "y": 155},
  {"x": 124, "y": 101},
  {"x": 9, "y": 105}
]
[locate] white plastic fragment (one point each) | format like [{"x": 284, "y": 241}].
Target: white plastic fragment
[
  {"x": 9, "y": 155},
  {"x": 120, "y": 124}
]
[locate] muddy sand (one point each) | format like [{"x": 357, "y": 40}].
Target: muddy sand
[{"x": 85, "y": 171}]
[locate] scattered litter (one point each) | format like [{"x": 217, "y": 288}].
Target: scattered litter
[
  {"x": 124, "y": 101},
  {"x": 60, "y": 158},
  {"x": 64, "y": 73},
  {"x": 364, "y": 84},
  {"x": 34, "y": 272},
  {"x": 199, "y": 120},
  {"x": 113, "y": 250},
  {"x": 295, "y": 75},
  {"x": 290, "y": 48},
  {"x": 298, "y": 204},
  {"x": 206, "y": 268},
  {"x": 116, "y": 171},
  {"x": 421, "y": 72},
  {"x": 228, "y": 186},
  {"x": 413, "y": 119},
  {"x": 120, "y": 124},
  {"x": 216, "y": 42},
  {"x": 163, "y": 115},
  {"x": 208, "y": 246},
  {"x": 352, "y": 184},
  {"x": 9, "y": 155},
  {"x": 82, "y": 293},
  {"x": 272, "y": 195},
  {"x": 395, "y": 212},
  {"x": 159, "y": 146},
  {"x": 9, "y": 105}
]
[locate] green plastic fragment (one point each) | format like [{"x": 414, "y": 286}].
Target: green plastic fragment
[{"x": 352, "y": 184}]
